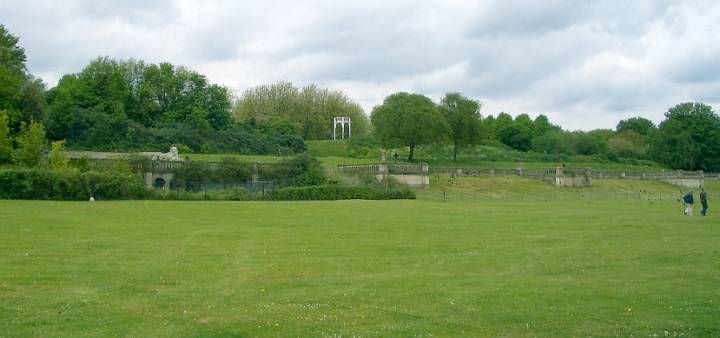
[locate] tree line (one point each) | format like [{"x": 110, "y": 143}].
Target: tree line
[
  {"x": 688, "y": 138},
  {"x": 310, "y": 109},
  {"x": 129, "y": 105}
]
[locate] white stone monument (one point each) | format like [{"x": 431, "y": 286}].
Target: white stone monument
[{"x": 342, "y": 121}]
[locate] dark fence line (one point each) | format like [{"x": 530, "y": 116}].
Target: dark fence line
[
  {"x": 595, "y": 174},
  {"x": 456, "y": 196},
  {"x": 541, "y": 173}
]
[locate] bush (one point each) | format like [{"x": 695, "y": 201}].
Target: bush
[
  {"x": 302, "y": 170},
  {"x": 211, "y": 195},
  {"x": 29, "y": 183},
  {"x": 336, "y": 192}
]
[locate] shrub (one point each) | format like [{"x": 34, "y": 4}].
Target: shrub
[
  {"x": 35, "y": 183},
  {"x": 302, "y": 170},
  {"x": 335, "y": 192},
  {"x": 211, "y": 195},
  {"x": 57, "y": 159}
]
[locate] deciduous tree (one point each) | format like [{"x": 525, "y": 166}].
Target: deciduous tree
[
  {"x": 463, "y": 117},
  {"x": 5, "y": 144},
  {"x": 689, "y": 138},
  {"x": 409, "y": 120},
  {"x": 31, "y": 143}
]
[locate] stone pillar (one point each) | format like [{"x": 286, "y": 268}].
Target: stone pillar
[
  {"x": 383, "y": 169},
  {"x": 588, "y": 177},
  {"x": 558, "y": 176},
  {"x": 425, "y": 175},
  {"x": 255, "y": 175}
]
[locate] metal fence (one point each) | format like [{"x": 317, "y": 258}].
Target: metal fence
[
  {"x": 551, "y": 172},
  {"x": 579, "y": 195}
]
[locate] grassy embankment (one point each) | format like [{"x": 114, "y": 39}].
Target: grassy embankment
[
  {"x": 332, "y": 153},
  {"x": 468, "y": 188}
]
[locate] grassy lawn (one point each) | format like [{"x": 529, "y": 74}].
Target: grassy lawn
[{"x": 358, "y": 268}]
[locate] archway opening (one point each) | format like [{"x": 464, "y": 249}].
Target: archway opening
[{"x": 159, "y": 183}]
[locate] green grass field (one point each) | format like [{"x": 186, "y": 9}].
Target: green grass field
[{"x": 358, "y": 268}]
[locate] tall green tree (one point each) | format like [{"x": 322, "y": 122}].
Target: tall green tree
[
  {"x": 21, "y": 95},
  {"x": 688, "y": 138},
  {"x": 463, "y": 116},
  {"x": 410, "y": 120},
  {"x": 311, "y": 109},
  {"x": 57, "y": 158},
  {"x": 518, "y": 133},
  {"x": 112, "y": 103},
  {"x": 5, "y": 142},
  {"x": 31, "y": 144},
  {"x": 639, "y": 125},
  {"x": 542, "y": 125},
  {"x": 12, "y": 69},
  {"x": 587, "y": 143},
  {"x": 553, "y": 142}
]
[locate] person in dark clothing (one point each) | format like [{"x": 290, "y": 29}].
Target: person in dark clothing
[
  {"x": 689, "y": 202},
  {"x": 703, "y": 201}
]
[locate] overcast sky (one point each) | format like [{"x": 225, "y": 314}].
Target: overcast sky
[{"x": 585, "y": 64}]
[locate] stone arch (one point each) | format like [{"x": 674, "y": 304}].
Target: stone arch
[
  {"x": 159, "y": 183},
  {"x": 155, "y": 179}
]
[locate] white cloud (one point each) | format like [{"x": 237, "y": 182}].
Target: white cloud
[{"x": 584, "y": 64}]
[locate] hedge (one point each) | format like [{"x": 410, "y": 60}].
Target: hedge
[
  {"x": 333, "y": 192},
  {"x": 46, "y": 184}
]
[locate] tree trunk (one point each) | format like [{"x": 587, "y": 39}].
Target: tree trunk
[
  {"x": 411, "y": 156},
  {"x": 455, "y": 152}
]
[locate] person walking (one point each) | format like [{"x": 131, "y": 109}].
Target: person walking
[
  {"x": 689, "y": 201},
  {"x": 703, "y": 201}
]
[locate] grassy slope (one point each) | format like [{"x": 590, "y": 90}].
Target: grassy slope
[
  {"x": 468, "y": 188},
  {"x": 357, "y": 268},
  {"x": 333, "y": 161},
  {"x": 329, "y": 161},
  {"x": 332, "y": 153}
]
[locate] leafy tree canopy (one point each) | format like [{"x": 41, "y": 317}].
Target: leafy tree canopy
[
  {"x": 101, "y": 103},
  {"x": 639, "y": 125},
  {"x": 310, "y": 109},
  {"x": 689, "y": 138},
  {"x": 463, "y": 117},
  {"x": 21, "y": 95},
  {"x": 409, "y": 120}
]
